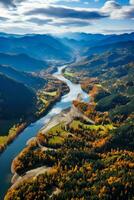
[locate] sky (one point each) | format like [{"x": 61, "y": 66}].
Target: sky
[{"x": 62, "y": 16}]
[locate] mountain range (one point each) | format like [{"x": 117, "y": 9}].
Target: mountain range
[
  {"x": 96, "y": 159},
  {"x": 15, "y": 99},
  {"x": 27, "y": 79},
  {"x": 43, "y": 47},
  {"x": 22, "y": 54}
]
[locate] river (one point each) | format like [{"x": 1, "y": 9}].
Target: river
[{"x": 20, "y": 142}]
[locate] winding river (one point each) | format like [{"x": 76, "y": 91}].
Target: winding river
[{"x": 19, "y": 143}]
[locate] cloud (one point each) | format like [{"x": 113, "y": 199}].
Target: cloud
[
  {"x": 126, "y": 12},
  {"x": 53, "y": 15},
  {"x": 117, "y": 11},
  {"x": 72, "y": 23},
  {"x": 131, "y": 2},
  {"x": 63, "y": 12},
  {"x": 39, "y": 21},
  {"x": 7, "y": 3},
  {"x": 119, "y": 31},
  {"x": 65, "y": 23},
  {"x": 3, "y": 18},
  {"x": 110, "y": 6},
  {"x": 14, "y": 3}
]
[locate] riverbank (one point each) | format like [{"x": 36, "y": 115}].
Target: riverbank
[
  {"x": 21, "y": 126},
  {"x": 66, "y": 117},
  {"x": 31, "y": 131},
  {"x": 63, "y": 121},
  {"x": 78, "y": 156},
  {"x": 75, "y": 145}
]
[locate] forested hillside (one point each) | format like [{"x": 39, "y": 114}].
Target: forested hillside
[
  {"x": 22, "y": 62},
  {"x": 27, "y": 89},
  {"x": 41, "y": 47},
  {"x": 16, "y": 99},
  {"x": 82, "y": 160},
  {"x": 17, "y": 103},
  {"x": 28, "y": 79}
]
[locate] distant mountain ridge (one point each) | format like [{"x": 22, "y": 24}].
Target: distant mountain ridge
[
  {"x": 109, "y": 47},
  {"x": 25, "y": 78},
  {"x": 22, "y": 62},
  {"x": 15, "y": 98},
  {"x": 88, "y": 36},
  {"x": 98, "y": 59},
  {"x": 85, "y": 40},
  {"x": 51, "y": 48},
  {"x": 42, "y": 47}
]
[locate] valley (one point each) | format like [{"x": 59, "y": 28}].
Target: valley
[
  {"x": 80, "y": 143},
  {"x": 14, "y": 120},
  {"x": 20, "y": 142},
  {"x": 29, "y": 89}
]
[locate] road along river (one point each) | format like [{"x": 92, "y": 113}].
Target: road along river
[{"x": 19, "y": 143}]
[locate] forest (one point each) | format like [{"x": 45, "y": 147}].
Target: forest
[
  {"x": 88, "y": 152},
  {"x": 83, "y": 160}
]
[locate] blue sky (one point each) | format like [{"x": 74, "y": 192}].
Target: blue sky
[
  {"x": 60, "y": 16},
  {"x": 91, "y": 3}
]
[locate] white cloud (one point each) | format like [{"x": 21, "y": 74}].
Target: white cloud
[
  {"x": 17, "y": 18},
  {"x": 131, "y": 2},
  {"x": 117, "y": 11},
  {"x": 110, "y": 6}
]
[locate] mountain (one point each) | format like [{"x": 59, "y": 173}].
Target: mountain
[
  {"x": 113, "y": 66},
  {"x": 118, "y": 38},
  {"x": 23, "y": 77},
  {"x": 22, "y": 62},
  {"x": 84, "y": 42},
  {"x": 80, "y": 40},
  {"x": 109, "y": 47},
  {"x": 99, "y": 59},
  {"x": 16, "y": 100},
  {"x": 84, "y": 36},
  {"x": 42, "y": 47},
  {"x": 60, "y": 48},
  {"x": 95, "y": 147}
]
